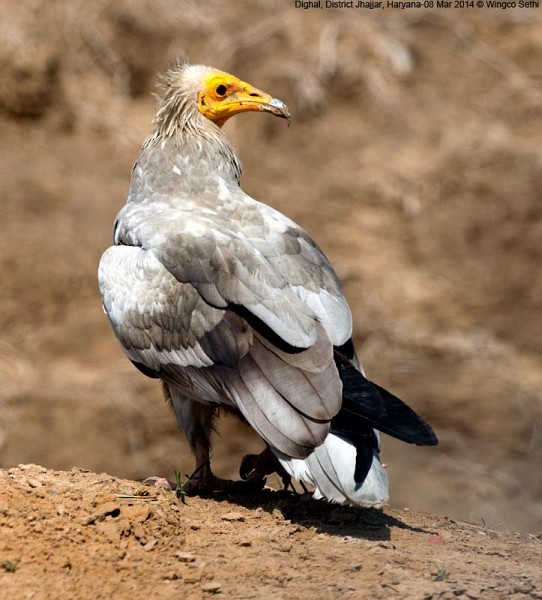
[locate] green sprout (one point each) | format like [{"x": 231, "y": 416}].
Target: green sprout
[
  {"x": 180, "y": 491},
  {"x": 10, "y": 566},
  {"x": 442, "y": 574}
]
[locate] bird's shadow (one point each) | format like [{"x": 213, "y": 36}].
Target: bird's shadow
[{"x": 333, "y": 519}]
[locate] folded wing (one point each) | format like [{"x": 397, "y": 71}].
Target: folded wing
[
  {"x": 213, "y": 355},
  {"x": 248, "y": 258}
]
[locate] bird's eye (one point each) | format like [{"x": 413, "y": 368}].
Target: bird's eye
[{"x": 221, "y": 90}]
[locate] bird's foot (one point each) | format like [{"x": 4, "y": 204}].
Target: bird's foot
[
  {"x": 255, "y": 467},
  {"x": 192, "y": 486},
  {"x": 204, "y": 482},
  {"x": 206, "y": 485}
]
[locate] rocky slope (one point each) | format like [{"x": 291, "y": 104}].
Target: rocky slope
[{"x": 78, "y": 534}]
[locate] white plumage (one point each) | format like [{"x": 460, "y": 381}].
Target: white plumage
[{"x": 233, "y": 305}]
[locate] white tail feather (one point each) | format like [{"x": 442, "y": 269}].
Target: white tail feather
[{"x": 330, "y": 468}]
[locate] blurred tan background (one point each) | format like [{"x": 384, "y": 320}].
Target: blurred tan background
[{"x": 414, "y": 158}]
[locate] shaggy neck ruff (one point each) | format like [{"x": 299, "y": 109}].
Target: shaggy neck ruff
[{"x": 179, "y": 124}]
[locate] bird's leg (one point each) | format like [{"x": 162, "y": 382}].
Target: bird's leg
[
  {"x": 196, "y": 420},
  {"x": 257, "y": 466}
]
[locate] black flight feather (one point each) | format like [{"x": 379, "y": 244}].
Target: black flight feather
[
  {"x": 365, "y": 402},
  {"x": 361, "y": 436}
]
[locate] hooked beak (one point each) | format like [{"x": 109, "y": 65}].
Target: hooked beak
[
  {"x": 278, "y": 108},
  {"x": 249, "y": 98}
]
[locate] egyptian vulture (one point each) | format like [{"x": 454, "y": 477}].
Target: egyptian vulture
[{"x": 233, "y": 305}]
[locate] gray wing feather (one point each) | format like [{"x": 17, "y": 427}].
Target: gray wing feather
[
  {"x": 160, "y": 321},
  {"x": 168, "y": 294},
  {"x": 246, "y": 253},
  {"x": 212, "y": 355},
  {"x": 286, "y": 375},
  {"x": 270, "y": 410}
]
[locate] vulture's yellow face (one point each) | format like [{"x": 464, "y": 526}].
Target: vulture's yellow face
[{"x": 223, "y": 95}]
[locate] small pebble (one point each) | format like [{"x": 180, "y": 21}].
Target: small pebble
[
  {"x": 150, "y": 545},
  {"x": 211, "y": 587},
  {"x": 233, "y": 516},
  {"x": 186, "y": 557}
]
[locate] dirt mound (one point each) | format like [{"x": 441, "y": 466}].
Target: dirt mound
[
  {"x": 414, "y": 159},
  {"x": 82, "y": 535}
]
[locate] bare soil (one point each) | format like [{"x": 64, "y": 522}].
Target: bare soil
[{"x": 83, "y": 535}]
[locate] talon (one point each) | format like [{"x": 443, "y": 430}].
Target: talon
[
  {"x": 248, "y": 465},
  {"x": 206, "y": 485},
  {"x": 254, "y": 467},
  {"x": 250, "y": 486}
]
